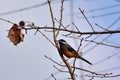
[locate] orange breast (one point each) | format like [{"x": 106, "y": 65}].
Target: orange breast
[{"x": 70, "y": 54}]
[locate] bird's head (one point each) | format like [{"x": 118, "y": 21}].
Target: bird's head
[{"x": 62, "y": 42}]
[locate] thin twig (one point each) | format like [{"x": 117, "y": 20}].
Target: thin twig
[
  {"x": 104, "y": 76},
  {"x": 60, "y": 69},
  {"x": 80, "y": 44},
  {"x": 86, "y": 19},
  {"x": 61, "y": 25},
  {"x": 46, "y": 37},
  {"x": 95, "y": 42},
  {"x": 52, "y": 18},
  {"x": 76, "y": 27},
  {"x": 101, "y": 27},
  {"x": 103, "y": 43},
  {"x": 53, "y": 77},
  {"x": 6, "y": 21},
  {"x": 61, "y": 17},
  {"x": 74, "y": 66}
]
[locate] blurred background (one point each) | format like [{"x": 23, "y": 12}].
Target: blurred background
[{"x": 26, "y": 61}]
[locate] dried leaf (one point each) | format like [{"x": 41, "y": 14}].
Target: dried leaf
[{"x": 15, "y": 35}]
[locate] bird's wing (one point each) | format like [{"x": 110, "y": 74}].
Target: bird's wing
[{"x": 71, "y": 49}]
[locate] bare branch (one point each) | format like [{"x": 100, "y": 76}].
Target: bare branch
[
  {"x": 61, "y": 16},
  {"x": 76, "y": 27},
  {"x": 81, "y": 33},
  {"x": 101, "y": 27},
  {"x": 52, "y": 18},
  {"x": 82, "y": 12},
  {"x": 80, "y": 45},
  {"x": 53, "y": 77},
  {"x": 74, "y": 66},
  {"x": 6, "y": 21},
  {"x": 104, "y": 76},
  {"x": 60, "y": 69},
  {"x": 37, "y": 30},
  {"x": 94, "y": 42}
]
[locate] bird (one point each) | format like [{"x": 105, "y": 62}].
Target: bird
[{"x": 69, "y": 52}]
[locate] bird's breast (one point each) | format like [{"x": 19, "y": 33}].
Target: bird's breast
[{"x": 69, "y": 54}]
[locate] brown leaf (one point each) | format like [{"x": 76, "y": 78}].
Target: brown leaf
[{"x": 15, "y": 35}]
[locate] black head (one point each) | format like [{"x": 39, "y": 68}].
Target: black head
[{"x": 62, "y": 41}]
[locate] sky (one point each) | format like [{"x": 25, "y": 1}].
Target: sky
[{"x": 26, "y": 61}]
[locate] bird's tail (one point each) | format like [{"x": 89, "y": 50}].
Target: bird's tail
[{"x": 85, "y": 60}]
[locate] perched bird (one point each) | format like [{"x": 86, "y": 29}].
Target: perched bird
[{"x": 69, "y": 52}]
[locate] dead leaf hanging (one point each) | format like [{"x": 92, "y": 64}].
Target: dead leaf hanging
[{"x": 15, "y": 35}]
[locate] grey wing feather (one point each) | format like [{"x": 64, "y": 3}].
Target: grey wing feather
[{"x": 71, "y": 49}]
